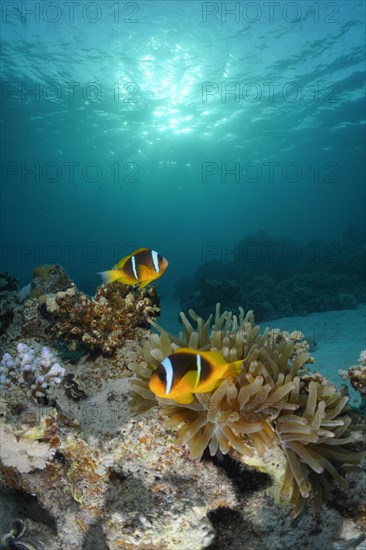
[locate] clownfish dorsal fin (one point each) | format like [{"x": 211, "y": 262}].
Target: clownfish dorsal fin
[
  {"x": 214, "y": 357},
  {"x": 122, "y": 262}
]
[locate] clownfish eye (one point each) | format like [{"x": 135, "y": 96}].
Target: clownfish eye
[{"x": 160, "y": 258}]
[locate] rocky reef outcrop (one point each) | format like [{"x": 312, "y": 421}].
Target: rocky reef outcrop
[
  {"x": 57, "y": 310},
  {"x": 9, "y": 308}
]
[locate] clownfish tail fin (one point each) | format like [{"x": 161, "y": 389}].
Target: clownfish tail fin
[
  {"x": 110, "y": 276},
  {"x": 233, "y": 369}
]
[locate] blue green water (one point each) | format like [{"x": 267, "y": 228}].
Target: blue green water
[{"x": 179, "y": 126}]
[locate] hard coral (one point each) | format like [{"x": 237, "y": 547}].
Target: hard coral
[
  {"x": 357, "y": 376},
  {"x": 23, "y": 454},
  {"x": 34, "y": 370},
  {"x": 58, "y": 309},
  {"x": 48, "y": 279},
  {"x": 114, "y": 314},
  {"x": 274, "y": 415}
]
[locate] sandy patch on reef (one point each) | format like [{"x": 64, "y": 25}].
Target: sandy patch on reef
[{"x": 339, "y": 335}]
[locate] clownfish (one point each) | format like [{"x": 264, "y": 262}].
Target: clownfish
[
  {"x": 188, "y": 371},
  {"x": 141, "y": 267}
]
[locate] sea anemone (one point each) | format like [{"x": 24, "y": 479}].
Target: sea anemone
[{"x": 275, "y": 415}]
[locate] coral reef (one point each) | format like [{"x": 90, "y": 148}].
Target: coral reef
[
  {"x": 278, "y": 277},
  {"x": 158, "y": 477},
  {"x": 87, "y": 473},
  {"x": 275, "y": 415},
  {"x": 8, "y": 305},
  {"x": 78, "y": 469},
  {"x": 347, "y": 301},
  {"x": 49, "y": 279},
  {"x": 24, "y": 293},
  {"x": 24, "y": 454},
  {"x": 34, "y": 372},
  {"x": 115, "y": 314},
  {"x": 128, "y": 481},
  {"x": 102, "y": 324},
  {"x": 356, "y": 375}
]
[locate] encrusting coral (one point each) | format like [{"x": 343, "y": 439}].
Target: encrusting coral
[{"x": 275, "y": 416}]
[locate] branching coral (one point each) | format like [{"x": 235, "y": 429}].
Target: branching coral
[
  {"x": 274, "y": 415},
  {"x": 32, "y": 371}
]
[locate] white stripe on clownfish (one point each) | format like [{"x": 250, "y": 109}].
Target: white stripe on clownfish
[
  {"x": 167, "y": 364},
  {"x": 198, "y": 370},
  {"x": 133, "y": 260},
  {"x": 155, "y": 260}
]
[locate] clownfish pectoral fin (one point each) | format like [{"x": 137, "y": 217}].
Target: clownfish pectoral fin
[
  {"x": 233, "y": 369},
  {"x": 184, "y": 390},
  {"x": 110, "y": 276},
  {"x": 143, "y": 273},
  {"x": 144, "y": 283}
]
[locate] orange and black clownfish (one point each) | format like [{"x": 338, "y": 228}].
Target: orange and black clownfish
[
  {"x": 141, "y": 267},
  {"x": 188, "y": 371}
]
